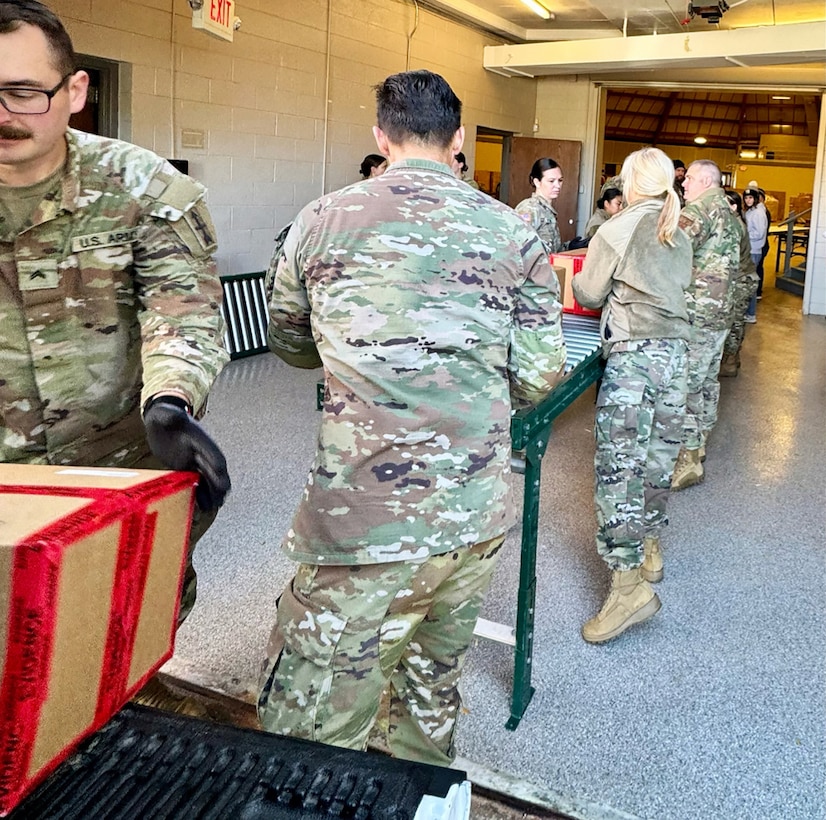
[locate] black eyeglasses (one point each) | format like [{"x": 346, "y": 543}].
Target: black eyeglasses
[{"x": 22, "y": 100}]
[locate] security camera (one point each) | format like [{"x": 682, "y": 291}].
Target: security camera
[
  {"x": 196, "y": 4},
  {"x": 712, "y": 12}
]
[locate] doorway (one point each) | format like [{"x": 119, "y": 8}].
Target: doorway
[
  {"x": 758, "y": 138},
  {"x": 492, "y": 147},
  {"x": 100, "y": 114}
]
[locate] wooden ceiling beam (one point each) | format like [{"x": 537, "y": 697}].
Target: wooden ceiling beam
[
  {"x": 741, "y": 118},
  {"x": 669, "y": 104}
]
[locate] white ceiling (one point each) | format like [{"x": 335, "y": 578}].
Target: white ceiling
[{"x": 759, "y": 42}]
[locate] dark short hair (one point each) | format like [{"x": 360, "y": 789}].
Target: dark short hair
[
  {"x": 418, "y": 106},
  {"x": 540, "y": 166},
  {"x": 30, "y": 12},
  {"x": 460, "y": 157},
  {"x": 678, "y": 163},
  {"x": 607, "y": 195},
  {"x": 369, "y": 162}
]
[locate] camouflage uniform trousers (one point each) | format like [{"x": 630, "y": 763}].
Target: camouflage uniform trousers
[
  {"x": 342, "y": 633},
  {"x": 638, "y": 430},
  {"x": 745, "y": 288},
  {"x": 736, "y": 334},
  {"x": 705, "y": 351}
]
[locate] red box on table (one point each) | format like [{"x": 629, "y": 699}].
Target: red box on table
[
  {"x": 91, "y": 567},
  {"x": 572, "y": 262}
]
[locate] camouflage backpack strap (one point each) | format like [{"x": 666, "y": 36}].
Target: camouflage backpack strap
[
  {"x": 269, "y": 278},
  {"x": 179, "y": 200}
]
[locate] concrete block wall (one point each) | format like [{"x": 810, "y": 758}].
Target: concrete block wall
[{"x": 286, "y": 109}]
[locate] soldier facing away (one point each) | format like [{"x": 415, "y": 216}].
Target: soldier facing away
[
  {"x": 109, "y": 299},
  {"x": 431, "y": 308},
  {"x": 715, "y": 237}
]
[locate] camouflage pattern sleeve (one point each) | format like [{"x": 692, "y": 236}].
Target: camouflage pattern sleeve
[
  {"x": 541, "y": 216},
  {"x": 289, "y": 334},
  {"x": 277, "y": 255},
  {"x": 694, "y": 225},
  {"x": 537, "y": 352},
  {"x": 179, "y": 291},
  {"x": 715, "y": 238}
]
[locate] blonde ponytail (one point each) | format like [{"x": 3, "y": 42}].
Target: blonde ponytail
[
  {"x": 649, "y": 173},
  {"x": 669, "y": 218}
]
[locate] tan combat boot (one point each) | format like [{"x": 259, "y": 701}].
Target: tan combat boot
[
  {"x": 688, "y": 470},
  {"x": 652, "y": 566},
  {"x": 630, "y": 601},
  {"x": 729, "y": 365},
  {"x": 156, "y": 694}
]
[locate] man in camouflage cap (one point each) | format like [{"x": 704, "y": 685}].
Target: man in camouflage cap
[
  {"x": 432, "y": 308},
  {"x": 110, "y": 332},
  {"x": 711, "y": 226}
]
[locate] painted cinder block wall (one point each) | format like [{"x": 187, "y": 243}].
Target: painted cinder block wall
[{"x": 286, "y": 109}]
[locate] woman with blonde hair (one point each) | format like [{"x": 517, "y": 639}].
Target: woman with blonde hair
[{"x": 637, "y": 270}]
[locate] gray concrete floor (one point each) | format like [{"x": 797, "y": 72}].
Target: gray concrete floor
[{"x": 713, "y": 710}]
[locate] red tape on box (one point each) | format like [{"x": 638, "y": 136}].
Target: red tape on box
[{"x": 33, "y": 605}]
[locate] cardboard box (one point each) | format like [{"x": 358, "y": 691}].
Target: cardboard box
[
  {"x": 91, "y": 566},
  {"x": 572, "y": 262},
  {"x": 562, "y": 275}
]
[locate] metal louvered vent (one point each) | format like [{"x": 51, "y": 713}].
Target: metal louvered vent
[{"x": 150, "y": 765}]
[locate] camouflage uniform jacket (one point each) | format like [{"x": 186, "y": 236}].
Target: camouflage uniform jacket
[
  {"x": 640, "y": 281},
  {"x": 430, "y": 306},
  {"x": 108, "y": 296},
  {"x": 541, "y": 216},
  {"x": 712, "y": 229}
]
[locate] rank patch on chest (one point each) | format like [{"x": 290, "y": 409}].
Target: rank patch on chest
[
  {"x": 37, "y": 274},
  {"x": 107, "y": 239}
]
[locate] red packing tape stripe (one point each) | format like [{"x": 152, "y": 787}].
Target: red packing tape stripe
[
  {"x": 134, "y": 551},
  {"x": 28, "y": 657}
]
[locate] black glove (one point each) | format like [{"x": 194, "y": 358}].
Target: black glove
[{"x": 180, "y": 443}]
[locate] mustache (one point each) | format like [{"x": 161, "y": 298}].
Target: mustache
[{"x": 9, "y": 132}]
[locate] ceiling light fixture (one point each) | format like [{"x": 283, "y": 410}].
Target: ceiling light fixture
[
  {"x": 700, "y": 140},
  {"x": 780, "y": 97},
  {"x": 748, "y": 155},
  {"x": 538, "y": 8}
]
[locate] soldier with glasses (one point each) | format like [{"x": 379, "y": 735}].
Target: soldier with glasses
[{"x": 110, "y": 331}]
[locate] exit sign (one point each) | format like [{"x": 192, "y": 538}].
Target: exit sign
[{"x": 216, "y": 17}]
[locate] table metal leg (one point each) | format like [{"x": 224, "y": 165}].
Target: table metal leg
[{"x": 526, "y": 602}]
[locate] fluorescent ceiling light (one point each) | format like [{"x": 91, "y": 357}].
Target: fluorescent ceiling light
[
  {"x": 700, "y": 140},
  {"x": 538, "y": 8},
  {"x": 748, "y": 155},
  {"x": 780, "y": 97}
]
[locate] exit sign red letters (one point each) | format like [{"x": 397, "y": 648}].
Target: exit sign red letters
[{"x": 216, "y": 17}]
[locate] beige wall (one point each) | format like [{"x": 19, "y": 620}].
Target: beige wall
[
  {"x": 567, "y": 108},
  {"x": 271, "y": 144}
]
